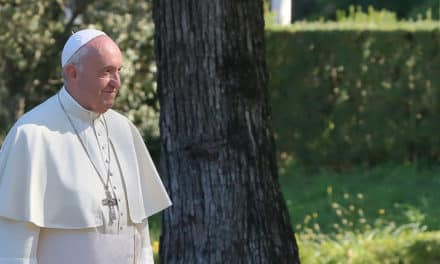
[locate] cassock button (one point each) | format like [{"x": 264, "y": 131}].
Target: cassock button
[
  {"x": 121, "y": 228},
  {"x": 114, "y": 187}
]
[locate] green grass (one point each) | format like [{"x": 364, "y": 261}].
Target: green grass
[
  {"x": 155, "y": 227},
  {"x": 387, "y": 214},
  {"x": 408, "y": 247},
  {"x": 382, "y": 215},
  {"x": 399, "y": 194}
]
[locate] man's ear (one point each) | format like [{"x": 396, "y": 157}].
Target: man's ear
[{"x": 71, "y": 71}]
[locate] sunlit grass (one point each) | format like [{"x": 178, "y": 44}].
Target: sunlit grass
[
  {"x": 387, "y": 214},
  {"x": 400, "y": 194},
  {"x": 379, "y": 215}
]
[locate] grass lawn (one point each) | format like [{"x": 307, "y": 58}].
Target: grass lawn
[
  {"x": 379, "y": 215},
  {"x": 332, "y": 203},
  {"x": 401, "y": 194}
]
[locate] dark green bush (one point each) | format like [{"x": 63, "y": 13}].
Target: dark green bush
[{"x": 354, "y": 97}]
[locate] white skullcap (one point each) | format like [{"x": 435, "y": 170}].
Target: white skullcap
[{"x": 76, "y": 41}]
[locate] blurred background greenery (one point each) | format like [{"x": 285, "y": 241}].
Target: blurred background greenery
[
  {"x": 32, "y": 36},
  {"x": 355, "y": 98},
  {"x": 312, "y": 10}
]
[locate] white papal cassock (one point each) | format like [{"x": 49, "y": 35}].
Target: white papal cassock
[{"x": 50, "y": 194}]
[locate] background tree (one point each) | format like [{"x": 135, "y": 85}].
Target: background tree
[
  {"x": 218, "y": 151},
  {"x": 32, "y": 36}
]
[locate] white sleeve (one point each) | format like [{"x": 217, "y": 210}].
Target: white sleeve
[
  {"x": 147, "y": 256},
  {"x": 18, "y": 242}
]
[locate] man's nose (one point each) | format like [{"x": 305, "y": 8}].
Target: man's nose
[{"x": 116, "y": 80}]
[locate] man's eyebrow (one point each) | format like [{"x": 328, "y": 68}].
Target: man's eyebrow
[{"x": 111, "y": 66}]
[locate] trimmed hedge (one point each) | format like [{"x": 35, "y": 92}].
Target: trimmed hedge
[{"x": 355, "y": 95}]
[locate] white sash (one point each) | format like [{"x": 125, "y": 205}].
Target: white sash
[{"x": 58, "y": 246}]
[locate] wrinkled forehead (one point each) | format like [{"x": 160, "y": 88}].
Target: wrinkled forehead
[
  {"x": 103, "y": 44},
  {"x": 103, "y": 51}
]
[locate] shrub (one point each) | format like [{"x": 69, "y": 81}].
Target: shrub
[{"x": 348, "y": 94}]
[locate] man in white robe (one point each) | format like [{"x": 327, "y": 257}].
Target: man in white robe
[{"x": 77, "y": 183}]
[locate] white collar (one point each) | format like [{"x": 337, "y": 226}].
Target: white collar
[{"x": 75, "y": 109}]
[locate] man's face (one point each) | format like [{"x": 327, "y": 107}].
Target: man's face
[{"x": 98, "y": 79}]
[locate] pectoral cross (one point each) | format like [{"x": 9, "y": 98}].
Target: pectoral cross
[{"x": 111, "y": 203}]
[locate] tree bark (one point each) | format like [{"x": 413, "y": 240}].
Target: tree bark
[{"x": 218, "y": 153}]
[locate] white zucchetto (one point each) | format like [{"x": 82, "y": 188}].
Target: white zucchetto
[{"x": 76, "y": 41}]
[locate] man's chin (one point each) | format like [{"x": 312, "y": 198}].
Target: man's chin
[{"x": 106, "y": 106}]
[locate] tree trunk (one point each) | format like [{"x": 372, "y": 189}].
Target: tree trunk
[{"x": 218, "y": 153}]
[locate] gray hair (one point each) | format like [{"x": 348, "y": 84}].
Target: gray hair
[{"x": 76, "y": 59}]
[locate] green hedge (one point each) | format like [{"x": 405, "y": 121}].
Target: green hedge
[{"x": 356, "y": 95}]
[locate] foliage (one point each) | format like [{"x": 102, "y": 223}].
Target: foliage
[
  {"x": 348, "y": 95},
  {"x": 361, "y": 199},
  {"x": 377, "y": 26},
  {"x": 354, "y": 240},
  {"x": 356, "y": 15},
  {"x": 375, "y": 216},
  {"x": 364, "y": 216},
  {"x": 427, "y": 8},
  {"x": 313, "y": 10},
  {"x": 380, "y": 246},
  {"x": 32, "y": 38},
  {"x": 269, "y": 17},
  {"x": 404, "y": 245}
]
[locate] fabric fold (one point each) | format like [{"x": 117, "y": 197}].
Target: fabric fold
[{"x": 40, "y": 183}]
